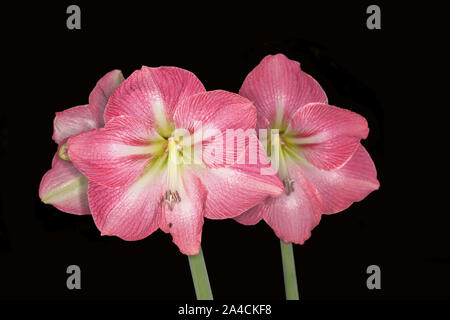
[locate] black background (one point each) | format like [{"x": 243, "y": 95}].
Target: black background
[{"x": 389, "y": 76}]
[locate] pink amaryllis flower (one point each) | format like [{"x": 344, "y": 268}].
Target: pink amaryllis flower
[
  {"x": 323, "y": 166},
  {"x": 63, "y": 186},
  {"x": 143, "y": 175}
]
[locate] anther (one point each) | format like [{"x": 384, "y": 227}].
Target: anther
[
  {"x": 170, "y": 198},
  {"x": 288, "y": 185}
]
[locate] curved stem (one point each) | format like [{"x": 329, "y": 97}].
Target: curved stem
[
  {"x": 290, "y": 276},
  {"x": 200, "y": 277}
]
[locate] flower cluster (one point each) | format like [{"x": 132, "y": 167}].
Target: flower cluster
[{"x": 159, "y": 151}]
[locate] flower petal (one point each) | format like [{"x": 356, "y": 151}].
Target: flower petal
[
  {"x": 117, "y": 154},
  {"x": 185, "y": 220},
  {"x": 217, "y": 109},
  {"x": 293, "y": 216},
  {"x": 64, "y": 187},
  {"x": 101, "y": 93},
  {"x": 329, "y": 135},
  {"x": 218, "y": 115},
  {"x": 252, "y": 216},
  {"x": 246, "y": 184},
  {"x": 277, "y": 86},
  {"x": 152, "y": 94},
  {"x": 130, "y": 212},
  {"x": 340, "y": 188},
  {"x": 262, "y": 123},
  {"x": 72, "y": 121}
]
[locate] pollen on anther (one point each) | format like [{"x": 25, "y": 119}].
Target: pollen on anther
[
  {"x": 170, "y": 198},
  {"x": 288, "y": 185}
]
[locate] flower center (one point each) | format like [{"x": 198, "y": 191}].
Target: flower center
[
  {"x": 174, "y": 161},
  {"x": 172, "y": 151},
  {"x": 62, "y": 152},
  {"x": 284, "y": 151}
]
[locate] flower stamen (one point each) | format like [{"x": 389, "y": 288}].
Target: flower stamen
[
  {"x": 171, "y": 198},
  {"x": 288, "y": 185}
]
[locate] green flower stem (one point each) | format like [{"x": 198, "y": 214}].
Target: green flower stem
[
  {"x": 290, "y": 276},
  {"x": 200, "y": 277}
]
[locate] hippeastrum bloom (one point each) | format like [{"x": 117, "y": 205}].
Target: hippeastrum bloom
[
  {"x": 63, "y": 186},
  {"x": 143, "y": 174},
  {"x": 317, "y": 151}
]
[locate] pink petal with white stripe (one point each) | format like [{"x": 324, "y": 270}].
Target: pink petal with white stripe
[
  {"x": 219, "y": 114},
  {"x": 245, "y": 185},
  {"x": 101, "y": 93},
  {"x": 351, "y": 183},
  {"x": 293, "y": 216},
  {"x": 64, "y": 187},
  {"x": 130, "y": 212},
  {"x": 217, "y": 109},
  {"x": 72, "y": 121},
  {"x": 117, "y": 154},
  {"x": 185, "y": 220},
  {"x": 277, "y": 86},
  {"x": 152, "y": 94},
  {"x": 328, "y": 136}
]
